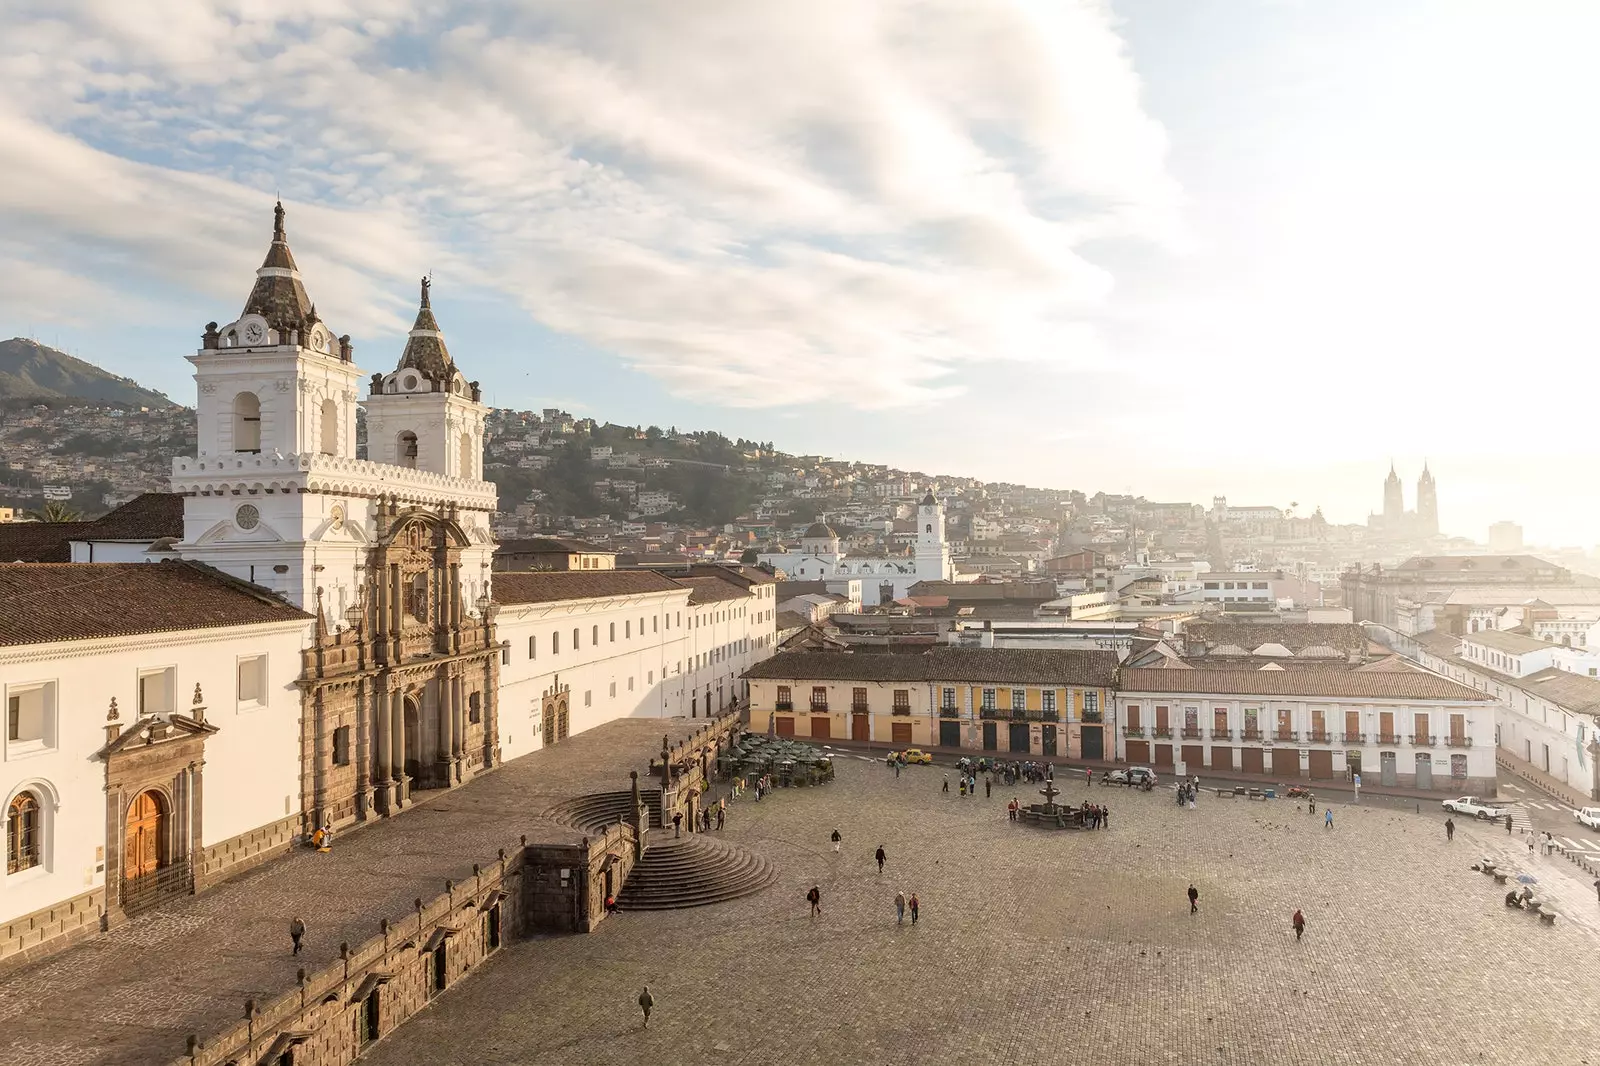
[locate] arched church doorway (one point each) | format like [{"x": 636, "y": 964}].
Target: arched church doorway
[
  {"x": 145, "y": 847},
  {"x": 413, "y": 729}
]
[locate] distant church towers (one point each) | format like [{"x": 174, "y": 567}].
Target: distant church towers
[
  {"x": 1399, "y": 524},
  {"x": 1427, "y": 505}
]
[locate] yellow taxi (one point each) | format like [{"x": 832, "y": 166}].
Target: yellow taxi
[{"x": 913, "y": 755}]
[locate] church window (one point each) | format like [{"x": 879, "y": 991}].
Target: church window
[
  {"x": 253, "y": 680},
  {"x": 533, "y": 647},
  {"x": 612, "y": 629},
  {"x": 155, "y": 692},
  {"x": 613, "y": 690},
  {"x": 594, "y": 635},
  {"x": 341, "y": 746},
  {"x": 930, "y": 527},
  {"x": 575, "y": 644},
  {"x": 406, "y": 450},
  {"x": 246, "y": 422},
  {"x": 475, "y": 708},
  {"x": 414, "y": 597},
  {"x": 627, "y": 630},
  {"x": 30, "y": 716},
  {"x": 466, "y": 457},
  {"x": 23, "y": 833},
  {"x": 330, "y": 427}
]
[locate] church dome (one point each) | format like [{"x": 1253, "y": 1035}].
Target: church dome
[
  {"x": 928, "y": 500},
  {"x": 278, "y": 295},
  {"x": 425, "y": 351},
  {"x": 819, "y": 531}
]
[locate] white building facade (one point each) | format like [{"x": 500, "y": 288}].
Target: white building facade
[{"x": 882, "y": 579}]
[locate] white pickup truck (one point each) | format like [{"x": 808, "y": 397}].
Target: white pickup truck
[{"x": 1477, "y": 808}]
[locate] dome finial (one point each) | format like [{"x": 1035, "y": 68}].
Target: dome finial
[
  {"x": 427, "y": 283},
  {"x": 277, "y": 222}
]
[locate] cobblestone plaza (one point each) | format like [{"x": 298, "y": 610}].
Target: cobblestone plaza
[{"x": 1058, "y": 946}]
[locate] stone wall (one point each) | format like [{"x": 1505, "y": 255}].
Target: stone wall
[
  {"x": 375, "y": 987},
  {"x": 44, "y": 932},
  {"x": 694, "y": 766},
  {"x": 234, "y": 856},
  {"x": 566, "y": 884}
]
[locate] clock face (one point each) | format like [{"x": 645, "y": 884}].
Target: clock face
[{"x": 253, "y": 333}]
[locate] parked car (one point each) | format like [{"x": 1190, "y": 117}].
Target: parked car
[
  {"x": 1477, "y": 808},
  {"x": 1132, "y": 775},
  {"x": 911, "y": 755},
  {"x": 1589, "y": 817}
]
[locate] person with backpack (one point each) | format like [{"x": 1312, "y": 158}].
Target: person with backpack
[
  {"x": 1194, "y": 898},
  {"x": 1299, "y": 923},
  {"x": 837, "y": 839},
  {"x": 880, "y": 857},
  {"x": 814, "y": 897}
]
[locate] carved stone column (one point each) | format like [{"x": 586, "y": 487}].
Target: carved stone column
[
  {"x": 385, "y": 782},
  {"x": 447, "y": 724},
  {"x": 397, "y": 711},
  {"x": 363, "y": 754}
]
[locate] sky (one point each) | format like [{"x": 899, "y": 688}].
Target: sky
[{"x": 1179, "y": 248}]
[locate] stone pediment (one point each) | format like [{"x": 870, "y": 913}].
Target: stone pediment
[
  {"x": 228, "y": 531},
  {"x": 153, "y": 732}
]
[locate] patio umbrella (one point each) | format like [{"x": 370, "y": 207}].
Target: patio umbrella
[{"x": 1527, "y": 879}]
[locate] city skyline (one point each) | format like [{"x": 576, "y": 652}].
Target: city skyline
[{"x": 1150, "y": 268}]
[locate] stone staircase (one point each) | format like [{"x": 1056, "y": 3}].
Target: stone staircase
[
  {"x": 600, "y": 809},
  {"x": 693, "y": 871}
]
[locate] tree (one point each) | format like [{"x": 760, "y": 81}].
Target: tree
[
  {"x": 748, "y": 557},
  {"x": 54, "y": 511}
]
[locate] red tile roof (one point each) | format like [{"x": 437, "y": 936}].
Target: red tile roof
[
  {"x": 47, "y": 602},
  {"x": 709, "y": 589},
  {"x": 551, "y": 586},
  {"x": 1347, "y": 684}
]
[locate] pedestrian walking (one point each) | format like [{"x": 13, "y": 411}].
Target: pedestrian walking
[
  {"x": 1105, "y": 817},
  {"x": 1088, "y": 777},
  {"x": 963, "y": 787},
  {"x": 1311, "y": 803},
  {"x": 947, "y": 782},
  {"x": 297, "y": 931},
  {"x": 899, "y": 908},
  {"x": 897, "y": 768},
  {"x": 1327, "y": 818},
  {"x": 814, "y": 897},
  {"x": 1194, "y": 898},
  {"x": 1449, "y": 829},
  {"x": 1597, "y": 888},
  {"x": 720, "y": 813},
  {"x": 880, "y": 856},
  {"x": 1299, "y": 923},
  {"x": 677, "y": 823},
  {"x": 646, "y": 1003},
  {"x": 988, "y": 786},
  {"x": 836, "y": 841},
  {"x": 914, "y": 905},
  {"x": 1508, "y": 823}
]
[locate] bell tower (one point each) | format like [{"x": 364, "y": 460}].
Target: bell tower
[
  {"x": 933, "y": 554},
  {"x": 425, "y": 415},
  {"x": 276, "y": 380}
]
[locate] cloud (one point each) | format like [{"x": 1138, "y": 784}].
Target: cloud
[{"x": 778, "y": 203}]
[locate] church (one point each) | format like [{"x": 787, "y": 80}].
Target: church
[
  {"x": 1396, "y": 523},
  {"x": 883, "y": 580},
  {"x": 322, "y": 638}
]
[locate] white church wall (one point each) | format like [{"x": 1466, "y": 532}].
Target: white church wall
[{"x": 252, "y": 761}]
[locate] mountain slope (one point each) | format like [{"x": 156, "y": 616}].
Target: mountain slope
[{"x": 29, "y": 370}]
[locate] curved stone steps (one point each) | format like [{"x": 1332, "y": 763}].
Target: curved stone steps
[
  {"x": 693, "y": 871},
  {"x": 599, "y": 809}
]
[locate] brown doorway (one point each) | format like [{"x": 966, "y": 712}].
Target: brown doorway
[
  {"x": 785, "y": 726},
  {"x": 1221, "y": 758},
  {"x": 1286, "y": 762},
  {"x": 1194, "y": 755},
  {"x": 1163, "y": 754},
  {"x": 900, "y": 732},
  {"x": 822, "y": 727},
  {"x": 860, "y": 727},
  {"x": 1138, "y": 752},
  {"x": 1321, "y": 765},
  {"x": 146, "y": 835},
  {"x": 1252, "y": 761}
]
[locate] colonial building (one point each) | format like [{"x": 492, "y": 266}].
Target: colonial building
[
  {"x": 1025, "y": 703},
  {"x": 882, "y": 579},
  {"x": 1400, "y": 726},
  {"x": 1400, "y": 596},
  {"x": 324, "y": 640}
]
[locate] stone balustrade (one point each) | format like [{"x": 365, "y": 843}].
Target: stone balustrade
[{"x": 327, "y": 473}]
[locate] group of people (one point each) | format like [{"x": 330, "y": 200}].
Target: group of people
[
  {"x": 901, "y": 901},
  {"x": 1187, "y": 791},
  {"x": 968, "y": 784}
]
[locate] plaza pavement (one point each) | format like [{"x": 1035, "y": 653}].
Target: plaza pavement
[
  {"x": 132, "y": 995},
  {"x": 1069, "y": 947}
]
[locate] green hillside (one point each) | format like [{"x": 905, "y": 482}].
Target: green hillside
[{"x": 33, "y": 371}]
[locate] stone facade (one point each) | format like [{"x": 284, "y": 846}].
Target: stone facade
[{"x": 30, "y": 937}]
